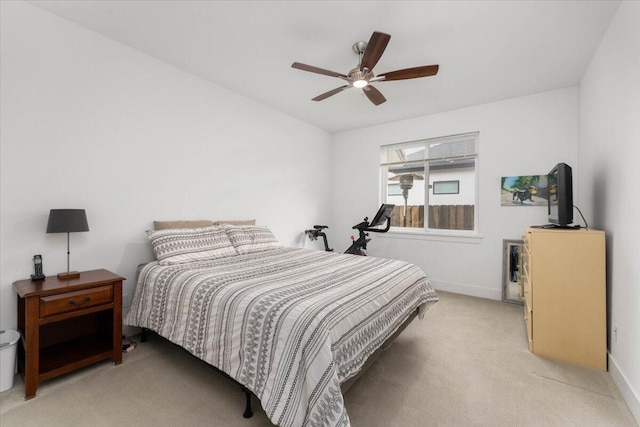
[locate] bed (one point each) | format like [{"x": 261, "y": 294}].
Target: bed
[{"x": 291, "y": 325}]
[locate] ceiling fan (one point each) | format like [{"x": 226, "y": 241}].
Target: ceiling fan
[{"x": 362, "y": 76}]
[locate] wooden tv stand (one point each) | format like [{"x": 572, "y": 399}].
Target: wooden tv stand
[{"x": 67, "y": 325}]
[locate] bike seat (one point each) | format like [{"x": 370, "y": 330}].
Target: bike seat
[{"x": 320, "y": 227}]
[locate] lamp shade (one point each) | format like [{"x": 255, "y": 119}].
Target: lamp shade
[{"x": 67, "y": 221}]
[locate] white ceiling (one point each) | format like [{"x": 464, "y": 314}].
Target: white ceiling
[{"x": 487, "y": 50}]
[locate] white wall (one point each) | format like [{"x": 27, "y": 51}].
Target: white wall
[
  {"x": 522, "y": 136},
  {"x": 608, "y": 153},
  {"x": 90, "y": 123}
]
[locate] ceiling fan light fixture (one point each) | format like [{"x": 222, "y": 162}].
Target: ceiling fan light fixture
[{"x": 360, "y": 83}]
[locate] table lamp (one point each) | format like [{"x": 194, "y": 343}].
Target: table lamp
[{"x": 67, "y": 221}]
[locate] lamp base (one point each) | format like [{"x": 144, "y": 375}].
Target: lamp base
[{"x": 69, "y": 275}]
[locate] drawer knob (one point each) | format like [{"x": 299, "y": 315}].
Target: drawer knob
[{"x": 73, "y": 302}]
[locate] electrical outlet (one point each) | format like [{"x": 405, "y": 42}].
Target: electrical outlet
[{"x": 615, "y": 333}]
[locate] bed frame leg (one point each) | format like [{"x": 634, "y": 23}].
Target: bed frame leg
[
  {"x": 248, "y": 413},
  {"x": 143, "y": 335}
]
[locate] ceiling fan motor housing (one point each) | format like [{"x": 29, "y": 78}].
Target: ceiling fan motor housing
[{"x": 355, "y": 75}]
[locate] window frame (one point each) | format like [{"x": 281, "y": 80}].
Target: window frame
[{"x": 470, "y": 236}]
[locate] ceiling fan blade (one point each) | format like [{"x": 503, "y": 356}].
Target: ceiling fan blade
[
  {"x": 374, "y": 95},
  {"x": 330, "y": 93},
  {"x": 375, "y": 48},
  {"x": 411, "y": 73},
  {"x": 311, "y": 68}
]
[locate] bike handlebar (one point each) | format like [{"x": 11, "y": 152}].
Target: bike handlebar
[{"x": 364, "y": 226}]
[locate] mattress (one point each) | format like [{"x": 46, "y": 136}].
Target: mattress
[{"x": 289, "y": 324}]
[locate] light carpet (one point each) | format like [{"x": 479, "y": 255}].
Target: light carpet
[{"x": 465, "y": 364}]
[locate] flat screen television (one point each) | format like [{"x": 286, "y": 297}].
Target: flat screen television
[{"x": 560, "y": 195}]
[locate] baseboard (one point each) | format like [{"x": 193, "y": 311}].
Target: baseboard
[
  {"x": 461, "y": 288},
  {"x": 626, "y": 390}
]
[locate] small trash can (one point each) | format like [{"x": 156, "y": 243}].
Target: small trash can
[{"x": 8, "y": 346}]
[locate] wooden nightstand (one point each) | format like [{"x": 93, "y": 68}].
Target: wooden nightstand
[{"x": 66, "y": 325}]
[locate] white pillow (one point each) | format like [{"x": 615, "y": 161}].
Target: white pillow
[
  {"x": 179, "y": 245},
  {"x": 251, "y": 238}
]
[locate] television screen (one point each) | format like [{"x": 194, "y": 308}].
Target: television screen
[{"x": 560, "y": 195}]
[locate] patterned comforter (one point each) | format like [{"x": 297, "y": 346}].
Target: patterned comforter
[{"x": 289, "y": 324}]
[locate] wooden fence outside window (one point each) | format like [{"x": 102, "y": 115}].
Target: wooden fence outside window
[{"x": 442, "y": 217}]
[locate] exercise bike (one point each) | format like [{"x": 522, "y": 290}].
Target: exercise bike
[{"x": 359, "y": 245}]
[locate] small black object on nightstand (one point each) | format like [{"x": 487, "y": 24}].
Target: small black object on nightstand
[{"x": 37, "y": 267}]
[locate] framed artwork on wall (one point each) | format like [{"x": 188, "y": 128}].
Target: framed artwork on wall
[{"x": 523, "y": 190}]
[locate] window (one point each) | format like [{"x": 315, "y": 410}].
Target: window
[
  {"x": 446, "y": 187},
  {"x": 440, "y": 173}
]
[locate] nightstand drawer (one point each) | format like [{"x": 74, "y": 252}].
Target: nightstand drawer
[{"x": 70, "y": 301}]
